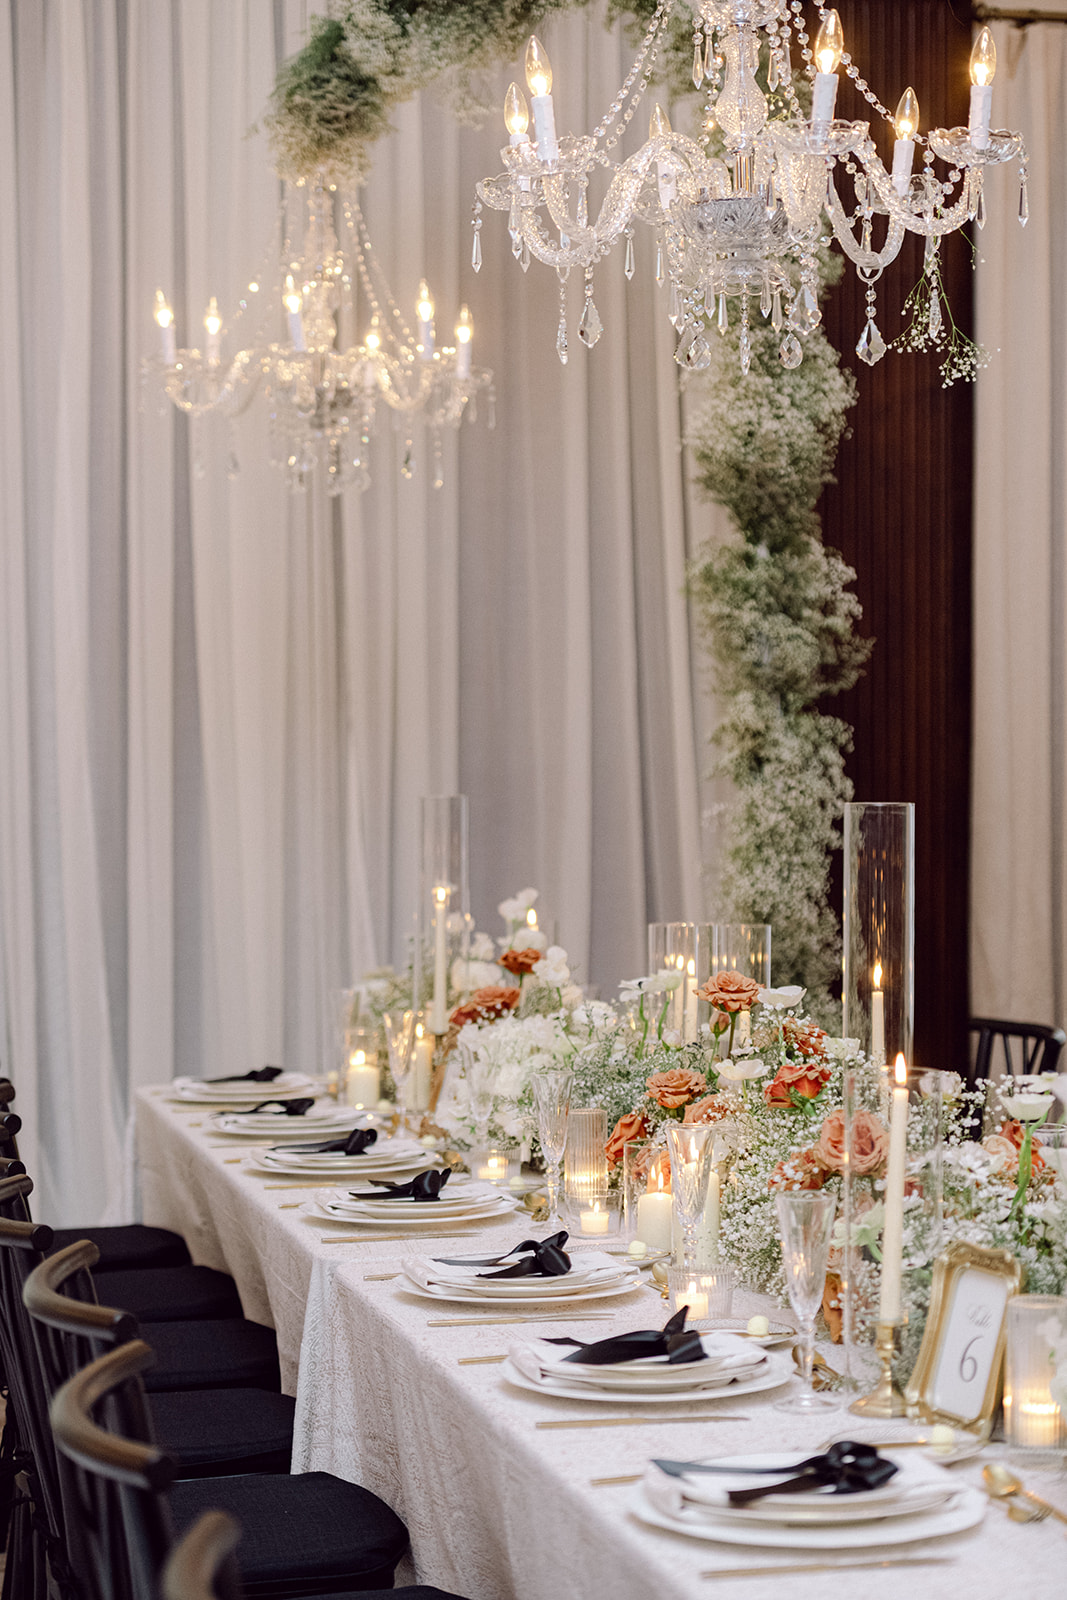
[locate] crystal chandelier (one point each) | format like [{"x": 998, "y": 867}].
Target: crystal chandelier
[
  {"x": 737, "y": 235},
  {"x": 323, "y": 386}
]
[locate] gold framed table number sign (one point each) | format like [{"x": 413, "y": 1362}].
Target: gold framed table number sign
[{"x": 957, "y": 1377}]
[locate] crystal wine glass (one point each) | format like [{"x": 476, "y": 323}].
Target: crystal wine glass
[
  {"x": 552, "y": 1102},
  {"x": 692, "y": 1150},
  {"x": 399, "y": 1038},
  {"x": 805, "y": 1222}
]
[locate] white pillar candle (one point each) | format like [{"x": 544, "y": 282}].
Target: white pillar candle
[
  {"x": 362, "y": 1082},
  {"x": 595, "y": 1219},
  {"x": 697, "y": 1301},
  {"x": 545, "y": 127},
  {"x": 907, "y": 126},
  {"x": 421, "y": 1072},
  {"x": 439, "y": 1004},
  {"x": 893, "y": 1233},
  {"x": 655, "y": 1215}
]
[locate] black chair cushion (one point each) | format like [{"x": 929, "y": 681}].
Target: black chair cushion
[
  {"x": 170, "y": 1294},
  {"x": 231, "y": 1354},
  {"x": 130, "y": 1246},
  {"x": 304, "y": 1534},
  {"x": 214, "y": 1431},
  {"x": 414, "y": 1591}
]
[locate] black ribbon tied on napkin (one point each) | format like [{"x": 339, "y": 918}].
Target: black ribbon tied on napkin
[
  {"x": 427, "y": 1186},
  {"x": 678, "y": 1343},
  {"x": 292, "y": 1108},
  {"x": 260, "y": 1075},
  {"x": 349, "y": 1144},
  {"x": 545, "y": 1258},
  {"x": 846, "y": 1468}
]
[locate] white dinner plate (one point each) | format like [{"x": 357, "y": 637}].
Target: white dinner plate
[
  {"x": 198, "y": 1092},
  {"x": 777, "y": 1372},
  {"x": 406, "y": 1217},
  {"x": 778, "y": 1332},
  {"x": 725, "y": 1360},
  {"x": 507, "y": 1289},
  {"x": 966, "y": 1510},
  {"x": 349, "y": 1169},
  {"x": 324, "y": 1118},
  {"x": 531, "y": 1297}
]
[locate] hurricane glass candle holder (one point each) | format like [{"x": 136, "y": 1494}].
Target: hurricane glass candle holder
[
  {"x": 878, "y": 928},
  {"x": 442, "y": 912}
]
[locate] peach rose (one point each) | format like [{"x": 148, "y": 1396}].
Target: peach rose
[
  {"x": 631, "y": 1126},
  {"x": 710, "y": 1109},
  {"x": 806, "y": 1078},
  {"x": 676, "y": 1087},
  {"x": 870, "y": 1143},
  {"x": 833, "y": 1306},
  {"x": 520, "y": 961},
  {"x": 495, "y": 1000},
  {"x": 1005, "y": 1152},
  {"x": 729, "y": 991},
  {"x": 801, "y": 1170},
  {"x": 805, "y": 1037}
]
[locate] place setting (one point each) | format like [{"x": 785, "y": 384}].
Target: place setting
[
  {"x": 354, "y": 1151},
  {"x": 292, "y": 1118},
  {"x": 428, "y": 1200},
  {"x": 243, "y": 1089},
  {"x": 531, "y": 1273}
]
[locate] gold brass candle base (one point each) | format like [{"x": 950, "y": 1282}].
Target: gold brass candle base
[{"x": 885, "y": 1399}]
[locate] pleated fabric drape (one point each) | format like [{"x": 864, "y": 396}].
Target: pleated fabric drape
[
  {"x": 1019, "y": 886},
  {"x": 219, "y": 703}
]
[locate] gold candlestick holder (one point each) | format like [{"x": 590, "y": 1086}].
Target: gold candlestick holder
[{"x": 885, "y": 1399}]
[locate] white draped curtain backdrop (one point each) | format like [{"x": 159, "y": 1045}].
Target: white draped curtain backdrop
[
  {"x": 219, "y": 704},
  {"x": 1019, "y": 875}
]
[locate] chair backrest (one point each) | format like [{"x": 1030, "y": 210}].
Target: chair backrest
[
  {"x": 1012, "y": 1049},
  {"x": 10, "y": 1125},
  {"x": 118, "y": 1472},
  {"x": 201, "y": 1565}
]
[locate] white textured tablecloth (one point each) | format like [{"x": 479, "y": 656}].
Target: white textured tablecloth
[{"x": 497, "y": 1508}]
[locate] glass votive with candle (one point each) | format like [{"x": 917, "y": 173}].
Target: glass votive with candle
[
  {"x": 585, "y": 1162},
  {"x": 1035, "y": 1379},
  {"x": 362, "y": 1076},
  {"x": 594, "y": 1216},
  {"x": 497, "y": 1164},
  {"x": 646, "y": 1184},
  {"x": 709, "y": 1295}
]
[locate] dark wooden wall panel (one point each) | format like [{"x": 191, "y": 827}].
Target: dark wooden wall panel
[{"x": 901, "y": 515}]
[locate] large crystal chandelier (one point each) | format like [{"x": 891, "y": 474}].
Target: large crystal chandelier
[
  {"x": 737, "y": 234},
  {"x": 324, "y": 385}
]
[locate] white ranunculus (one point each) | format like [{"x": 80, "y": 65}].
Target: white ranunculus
[
  {"x": 737, "y": 1070},
  {"x": 665, "y": 981},
  {"x": 482, "y": 947},
  {"x": 553, "y": 968},
  {"x": 782, "y": 999},
  {"x": 515, "y": 909},
  {"x": 469, "y": 975}
]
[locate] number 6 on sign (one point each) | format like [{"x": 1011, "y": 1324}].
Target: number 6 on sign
[{"x": 958, "y": 1374}]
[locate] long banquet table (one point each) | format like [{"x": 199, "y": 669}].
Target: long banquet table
[{"x": 497, "y": 1508}]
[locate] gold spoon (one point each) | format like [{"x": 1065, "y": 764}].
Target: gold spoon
[{"x": 1002, "y": 1483}]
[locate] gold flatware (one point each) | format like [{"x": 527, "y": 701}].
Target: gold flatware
[
  {"x": 627, "y": 1477},
  {"x": 629, "y": 1422},
  {"x": 290, "y": 1205},
  {"x": 493, "y": 1322},
  {"x": 1022, "y": 1511},
  {"x": 829, "y": 1566},
  {"x": 319, "y": 1183},
  {"x": 379, "y": 1277},
  {"x": 1002, "y": 1483},
  {"x": 367, "y": 1238},
  {"x": 478, "y": 1361}
]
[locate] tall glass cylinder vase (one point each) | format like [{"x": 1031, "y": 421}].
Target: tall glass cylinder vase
[
  {"x": 743, "y": 947},
  {"x": 879, "y": 927},
  {"x": 441, "y": 914},
  {"x": 672, "y": 947}
]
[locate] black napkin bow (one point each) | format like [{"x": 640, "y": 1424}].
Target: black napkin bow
[
  {"x": 426, "y": 1186},
  {"x": 292, "y": 1108},
  {"x": 674, "y": 1341},
  {"x": 349, "y": 1144},
  {"x": 846, "y": 1468},
  {"x": 260, "y": 1075},
  {"x": 547, "y": 1259}
]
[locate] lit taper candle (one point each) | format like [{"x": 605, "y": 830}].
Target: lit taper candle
[
  {"x": 165, "y": 318},
  {"x": 907, "y": 125},
  {"x": 893, "y": 1233},
  {"x": 983, "y": 71},
  {"x": 294, "y": 307},
  {"x": 829, "y": 48},
  {"x": 539, "y": 83},
  {"x": 424, "y": 312},
  {"x": 213, "y": 329},
  {"x": 464, "y": 339}
]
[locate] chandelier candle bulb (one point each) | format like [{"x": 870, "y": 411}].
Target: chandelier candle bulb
[
  {"x": 167, "y": 338},
  {"x": 424, "y": 312},
  {"x": 658, "y": 125},
  {"x": 907, "y": 123},
  {"x": 983, "y": 70},
  {"x": 829, "y": 47},
  {"x": 893, "y": 1236},
  {"x": 464, "y": 338},
  {"x": 294, "y": 306},
  {"x": 213, "y": 329},
  {"x": 516, "y": 115},
  {"x": 539, "y": 83}
]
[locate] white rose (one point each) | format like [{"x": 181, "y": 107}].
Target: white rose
[
  {"x": 469, "y": 975},
  {"x": 482, "y": 948}
]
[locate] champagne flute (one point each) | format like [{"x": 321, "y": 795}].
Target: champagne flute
[
  {"x": 399, "y": 1038},
  {"x": 805, "y": 1221},
  {"x": 692, "y": 1151},
  {"x": 478, "y": 1077},
  {"x": 552, "y": 1102}
]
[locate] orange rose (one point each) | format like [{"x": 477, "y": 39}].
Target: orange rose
[
  {"x": 870, "y": 1143},
  {"x": 729, "y": 991},
  {"x": 520, "y": 961},
  {"x": 710, "y": 1109},
  {"x": 676, "y": 1087},
  {"x": 631, "y": 1126},
  {"x": 806, "y": 1078},
  {"x": 801, "y": 1170},
  {"x": 495, "y": 1000},
  {"x": 1005, "y": 1152},
  {"x": 805, "y": 1037}
]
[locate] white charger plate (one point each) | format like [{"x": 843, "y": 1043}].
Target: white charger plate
[
  {"x": 458, "y": 1297},
  {"x": 196, "y": 1091},
  {"x": 563, "y": 1288},
  {"x": 777, "y": 1373},
  {"x": 323, "y": 1118}
]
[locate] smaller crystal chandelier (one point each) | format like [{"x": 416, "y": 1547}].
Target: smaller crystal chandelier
[
  {"x": 323, "y": 387},
  {"x": 740, "y": 232}
]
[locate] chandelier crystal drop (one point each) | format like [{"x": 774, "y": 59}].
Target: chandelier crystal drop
[
  {"x": 324, "y": 385},
  {"x": 744, "y": 226}
]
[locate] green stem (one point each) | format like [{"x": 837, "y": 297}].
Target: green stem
[
  {"x": 730, "y": 1041},
  {"x": 662, "y": 1018},
  {"x": 644, "y": 1029}
]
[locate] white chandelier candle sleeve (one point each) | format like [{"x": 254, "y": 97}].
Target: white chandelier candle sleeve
[
  {"x": 294, "y": 303},
  {"x": 829, "y": 47},
  {"x": 167, "y": 338},
  {"x": 464, "y": 340},
  {"x": 424, "y": 312},
  {"x": 213, "y": 329},
  {"x": 907, "y": 126},
  {"x": 539, "y": 83},
  {"x": 983, "y": 70},
  {"x": 893, "y": 1234}
]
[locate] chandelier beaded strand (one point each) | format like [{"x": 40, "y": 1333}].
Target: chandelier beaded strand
[{"x": 745, "y": 226}]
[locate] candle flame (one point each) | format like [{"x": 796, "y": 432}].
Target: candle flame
[
  {"x": 876, "y": 976},
  {"x": 900, "y": 1070},
  {"x": 691, "y": 967},
  {"x": 358, "y": 1058},
  {"x": 531, "y": 918}
]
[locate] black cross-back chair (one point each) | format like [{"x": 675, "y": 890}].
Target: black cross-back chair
[
  {"x": 208, "y": 1432},
  {"x": 1013, "y": 1049},
  {"x": 123, "y": 1481}
]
